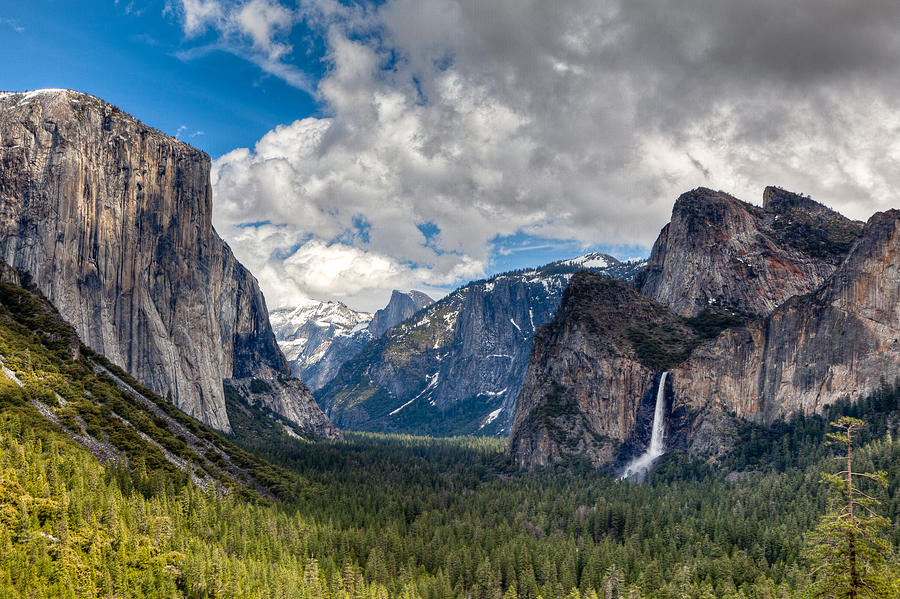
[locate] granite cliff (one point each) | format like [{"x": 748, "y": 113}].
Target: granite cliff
[
  {"x": 719, "y": 253},
  {"x": 400, "y": 307},
  {"x": 593, "y": 371},
  {"x": 776, "y": 311},
  {"x": 838, "y": 341},
  {"x": 112, "y": 219}
]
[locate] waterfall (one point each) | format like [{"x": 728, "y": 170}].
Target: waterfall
[{"x": 639, "y": 466}]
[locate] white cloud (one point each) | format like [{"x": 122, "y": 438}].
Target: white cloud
[
  {"x": 255, "y": 30},
  {"x": 575, "y": 119},
  {"x": 261, "y": 20},
  {"x": 199, "y": 15}
]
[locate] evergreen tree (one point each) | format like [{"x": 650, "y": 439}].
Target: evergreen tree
[{"x": 847, "y": 550}]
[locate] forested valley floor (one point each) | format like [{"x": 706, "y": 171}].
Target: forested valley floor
[{"x": 395, "y": 516}]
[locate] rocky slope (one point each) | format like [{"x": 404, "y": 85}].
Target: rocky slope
[
  {"x": 721, "y": 253},
  {"x": 815, "y": 349},
  {"x": 51, "y": 380},
  {"x": 456, "y": 367},
  {"x": 593, "y": 370},
  {"x": 318, "y": 337},
  {"x": 113, "y": 221}
]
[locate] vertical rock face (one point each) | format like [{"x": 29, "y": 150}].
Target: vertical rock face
[
  {"x": 815, "y": 349},
  {"x": 399, "y": 308},
  {"x": 113, "y": 221},
  {"x": 592, "y": 369},
  {"x": 720, "y": 252}
]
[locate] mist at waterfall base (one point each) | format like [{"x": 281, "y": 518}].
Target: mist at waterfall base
[{"x": 639, "y": 467}]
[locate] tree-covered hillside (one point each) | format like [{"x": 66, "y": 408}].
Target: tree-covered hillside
[{"x": 407, "y": 516}]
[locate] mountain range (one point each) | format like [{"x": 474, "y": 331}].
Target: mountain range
[
  {"x": 456, "y": 367},
  {"x": 318, "y": 337},
  {"x": 756, "y": 312}
]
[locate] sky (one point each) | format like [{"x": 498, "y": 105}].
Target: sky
[{"x": 360, "y": 147}]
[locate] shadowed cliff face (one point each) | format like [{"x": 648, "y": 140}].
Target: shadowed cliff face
[
  {"x": 721, "y": 253},
  {"x": 815, "y": 349},
  {"x": 591, "y": 370},
  {"x": 113, "y": 221}
]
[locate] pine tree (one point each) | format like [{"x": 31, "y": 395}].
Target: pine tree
[{"x": 847, "y": 550}]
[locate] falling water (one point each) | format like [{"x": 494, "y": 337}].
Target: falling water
[{"x": 639, "y": 466}]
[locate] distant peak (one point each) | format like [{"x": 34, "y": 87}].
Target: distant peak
[
  {"x": 592, "y": 260},
  {"x": 420, "y": 299}
]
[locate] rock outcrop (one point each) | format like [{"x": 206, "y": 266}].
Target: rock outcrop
[
  {"x": 839, "y": 341},
  {"x": 456, "y": 367},
  {"x": 593, "y": 369},
  {"x": 400, "y": 307},
  {"x": 113, "y": 221},
  {"x": 721, "y": 253},
  {"x": 586, "y": 390}
]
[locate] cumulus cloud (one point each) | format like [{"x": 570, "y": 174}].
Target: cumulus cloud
[{"x": 450, "y": 122}]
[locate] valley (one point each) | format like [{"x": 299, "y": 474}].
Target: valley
[{"x": 591, "y": 427}]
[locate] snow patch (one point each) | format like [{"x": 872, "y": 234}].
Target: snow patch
[
  {"x": 496, "y": 393},
  {"x": 432, "y": 383},
  {"x": 592, "y": 260},
  {"x": 26, "y": 96},
  {"x": 491, "y": 417}
]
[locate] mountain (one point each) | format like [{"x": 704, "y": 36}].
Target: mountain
[
  {"x": 318, "y": 337},
  {"x": 591, "y": 370},
  {"x": 456, "y": 366},
  {"x": 392, "y": 511},
  {"x": 52, "y": 382},
  {"x": 112, "y": 219},
  {"x": 594, "y": 371},
  {"x": 840, "y": 341},
  {"x": 400, "y": 307},
  {"x": 721, "y": 253}
]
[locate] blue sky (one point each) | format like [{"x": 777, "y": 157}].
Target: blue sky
[
  {"x": 130, "y": 58},
  {"x": 360, "y": 146}
]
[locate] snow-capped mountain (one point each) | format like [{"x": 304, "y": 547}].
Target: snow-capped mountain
[
  {"x": 592, "y": 260},
  {"x": 457, "y": 366},
  {"x": 318, "y": 337}
]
